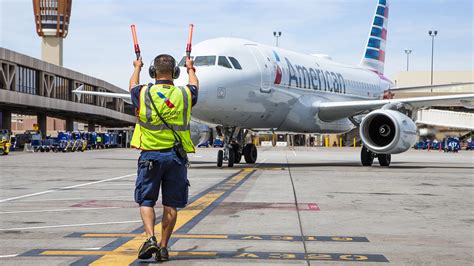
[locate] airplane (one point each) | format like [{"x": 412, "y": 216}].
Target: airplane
[{"x": 246, "y": 86}]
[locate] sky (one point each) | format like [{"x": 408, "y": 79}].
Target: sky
[{"x": 100, "y": 44}]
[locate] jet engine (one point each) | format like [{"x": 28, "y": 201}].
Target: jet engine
[
  {"x": 387, "y": 132},
  {"x": 200, "y": 133}
]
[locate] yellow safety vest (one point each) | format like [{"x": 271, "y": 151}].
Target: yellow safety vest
[{"x": 174, "y": 105}]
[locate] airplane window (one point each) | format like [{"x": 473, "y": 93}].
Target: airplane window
[
  {"x": 208, "y": 60},
  {"x": 235, "y": 63},
  {"x": 222, "y": 61},
  {"x": 183, "y": 60}
]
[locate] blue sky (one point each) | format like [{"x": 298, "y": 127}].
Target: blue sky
[{"x": 100, "y": 44}]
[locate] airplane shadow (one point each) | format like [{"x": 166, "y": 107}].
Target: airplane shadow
[
  {"x": 393, "y": 165},
  {"x": 282, "y": 166}
]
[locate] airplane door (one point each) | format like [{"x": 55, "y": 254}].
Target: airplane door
[{"x": 263, "y": 63}]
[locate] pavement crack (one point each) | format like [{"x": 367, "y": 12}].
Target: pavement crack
[{"x": 297, "y": 210}]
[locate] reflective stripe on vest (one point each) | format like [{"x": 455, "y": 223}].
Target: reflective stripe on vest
[{"x": 162, "y": 126}]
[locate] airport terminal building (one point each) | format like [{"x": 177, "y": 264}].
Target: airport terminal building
[{"x": 29, "y": 86}]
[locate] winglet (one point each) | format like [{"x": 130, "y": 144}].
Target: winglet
[
  {"x": 78, "y": 92},
  {"x": 374, "y": 53},
  {"x": 467, "y": 104},
  {"x": 80, "y": 88}
]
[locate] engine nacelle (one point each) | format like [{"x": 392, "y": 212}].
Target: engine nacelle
[
  {"x": 199, "y": 132},
  {"x": 387, "y": 132}
]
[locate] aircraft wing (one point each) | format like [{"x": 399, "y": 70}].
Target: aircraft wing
[
  {"x": 330, "y": 111},
  {"x": 124, "y": 96},
  {"x": 449, "y": 85}
]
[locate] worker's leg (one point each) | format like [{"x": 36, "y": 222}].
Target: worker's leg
[
  {"x": 147, "y": 188},
  {"x": 148, "y": 218},
  {"x": 168, "y": 222},
  {"x": 174, "y": 184}
]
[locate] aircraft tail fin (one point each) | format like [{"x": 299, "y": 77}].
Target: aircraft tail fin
[{"x": 374, "y": 54}]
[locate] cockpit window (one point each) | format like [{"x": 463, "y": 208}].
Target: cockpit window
[
  {"x": 235, "y": 63},
  {"x": 208, "y": 60},
  {"x": 183, "y": 60},
  {"x": 223, "y": 62}
]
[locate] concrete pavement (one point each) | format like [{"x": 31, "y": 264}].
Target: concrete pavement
[{"x": 306, "y": 206}]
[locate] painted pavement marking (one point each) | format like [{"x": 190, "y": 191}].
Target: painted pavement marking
[
  {"x": 66, "y": 188},
  {"x": 249, "y": 255},
  {"x": 232, "y": 237},
  {"x": 59, "y": 210},
  {"x": 68, "y": 225}
]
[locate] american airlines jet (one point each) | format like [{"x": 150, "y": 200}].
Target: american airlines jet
[{"x": 250, "y": 86}]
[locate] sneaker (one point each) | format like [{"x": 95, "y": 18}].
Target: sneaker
[
  {"x": 162, "y": 255},
  {"x": 148, "y": 248}
]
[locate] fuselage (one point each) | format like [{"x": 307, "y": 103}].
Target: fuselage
[{"x": 272, "y": 88}]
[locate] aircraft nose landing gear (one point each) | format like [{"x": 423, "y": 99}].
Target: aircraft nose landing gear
[{"x": 234, "y": 148}]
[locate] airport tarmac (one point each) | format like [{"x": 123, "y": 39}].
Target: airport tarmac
[{"x": 303, "y": 206}]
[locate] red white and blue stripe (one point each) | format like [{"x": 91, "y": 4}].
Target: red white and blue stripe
[
  {"x": 374, "y": 57},
  {"x": 167, "y": 101}
]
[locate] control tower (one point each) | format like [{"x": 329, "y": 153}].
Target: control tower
[{"x": 52, "y": 24}]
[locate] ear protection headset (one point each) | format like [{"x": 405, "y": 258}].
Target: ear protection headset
[{"x": 152, "y": 68}]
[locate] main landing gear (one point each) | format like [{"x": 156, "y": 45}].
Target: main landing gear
[
  {"x": 235, "y": 147},
  {"x": 367, "y": 157}
]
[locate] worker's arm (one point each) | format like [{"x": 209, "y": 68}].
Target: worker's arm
[
  {"x": 193, "y": 80},
  {"x": 135, "y": 78}
]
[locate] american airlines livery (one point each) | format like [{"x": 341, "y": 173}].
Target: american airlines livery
[{"x": 250, "y": 86}]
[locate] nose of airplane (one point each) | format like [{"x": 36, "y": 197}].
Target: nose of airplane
[
  {"x": 201, "y": 73},
  {"x": 207, "y": 81}
]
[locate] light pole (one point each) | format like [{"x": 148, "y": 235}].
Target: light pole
[
  {"x": 277, "y": 35},
  {"x": 432, "y": 35},
  {"x": 408, "y": 52}
]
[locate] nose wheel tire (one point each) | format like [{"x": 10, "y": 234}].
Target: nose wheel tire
[
  {"x": 384, "y": 159},
  {"x": 220, "y": 158},
  {"x": 237, "y": 153},
  {"x": 230, "y": 162},
  {"x": 366, "y": 157},
  {"x": 250, "y": 153}
]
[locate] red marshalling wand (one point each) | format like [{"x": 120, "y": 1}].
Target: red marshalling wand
[
  {"x": 135, "y": 41},
  {"x": 190, "y": 40}
]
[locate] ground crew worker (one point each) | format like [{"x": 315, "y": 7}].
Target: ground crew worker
[
  {"x": 160, "y": 162},
  {"x": 98, "y": 142}
]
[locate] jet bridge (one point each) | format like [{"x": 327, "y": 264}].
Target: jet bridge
[{"x": 442, "y": 118}]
